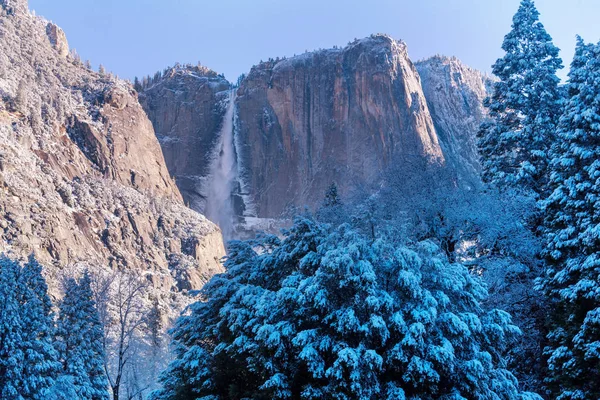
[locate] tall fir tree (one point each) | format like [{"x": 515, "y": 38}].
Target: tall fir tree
[
  {"x": 28, "y": 360},
  {"x": 573, "y": 236},
  {"x": 80, "y": 340},
  {"x": 332, "y": 198},
  {"x": 332, "y": 209},
  {"x": 524, "y": 107},
  {"x": 41, "y": 364},
  {"x": 12, "y": 356}
]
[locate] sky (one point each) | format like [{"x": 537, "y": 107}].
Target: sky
[{"x": 139, "y": 37}]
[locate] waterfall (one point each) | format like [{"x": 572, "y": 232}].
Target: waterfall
[{"x": 223, "y": 175}]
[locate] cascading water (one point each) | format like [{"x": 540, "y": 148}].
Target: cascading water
[{"x": 223, "y": 174}]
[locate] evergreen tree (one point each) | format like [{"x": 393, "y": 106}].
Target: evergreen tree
[
  {"x": 79, "y": 340},
  {"x": 332, "y": 209},
  {"x": 12, "y": 356},
  {"x": 332, "y": 198},
  {"x": 331, "y": 314},
  {"x": 524, "y": 107},
  {"x": 20, "y": 101},
  {"x": 41, "y": 364},
  {"x": 28, "y": 360},
  {"x": 573, "y": 236},
  {"x": 137, "y": 85}
]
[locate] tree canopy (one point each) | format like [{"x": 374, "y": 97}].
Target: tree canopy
[{"x": 328, "y": 313}]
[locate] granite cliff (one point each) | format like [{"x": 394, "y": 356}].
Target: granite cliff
[
  {"x": 83, "y": 181},
  {"x": 339, "y": 115},
  {"x": 455, "y": 94}
]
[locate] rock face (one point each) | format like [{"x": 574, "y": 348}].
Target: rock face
[
  {"x": 455, "y": 95},
  {"x": 337, "y": 115},
  {"x": 58, "y": 39},
  {"x": 82, "y": 177},
  {"x": 186, "y": 106}
]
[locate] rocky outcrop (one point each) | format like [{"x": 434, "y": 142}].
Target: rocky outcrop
[
  {"x": 58, "y": 39},
  {"x": 455, "y": 95},
  {"x": 338, "y": 115},
  {"x": 82, "y": 177},
  {"x": 186, "y": 105}
]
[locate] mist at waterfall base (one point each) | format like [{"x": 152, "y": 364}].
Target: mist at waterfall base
[{"x": 223, "y": 174}]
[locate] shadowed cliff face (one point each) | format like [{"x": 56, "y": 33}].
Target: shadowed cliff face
[
  {"x": 186, "y": 107},
  {"x": 329, "y": 116}
]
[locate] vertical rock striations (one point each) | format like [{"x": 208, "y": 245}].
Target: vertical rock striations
[
  {"x": 455, "y": 95},
  {"x": 338, "y": 115}
]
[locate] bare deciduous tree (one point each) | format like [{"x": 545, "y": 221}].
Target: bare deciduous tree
[{"x": 120, "y": 299}]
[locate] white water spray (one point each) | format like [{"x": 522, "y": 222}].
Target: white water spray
[{"x": 223, "y": 174}]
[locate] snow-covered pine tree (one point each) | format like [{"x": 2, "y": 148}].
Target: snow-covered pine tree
[
  {"x": 328, "y": 313},
  {"x": 332, "y": 198},
  {"x": 524, "y": 107},
  {"x": 79, "y": 336},
  {"x": 573, "y": 236},
  {"x": 40, "y": 364},
  {"x": 28, "y": 360},
  {"x": 332, "y": 210},
  {"x": 11, "y": 331}
]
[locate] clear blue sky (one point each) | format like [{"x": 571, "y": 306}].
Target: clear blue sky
[{"x": 138, "y": 37}]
